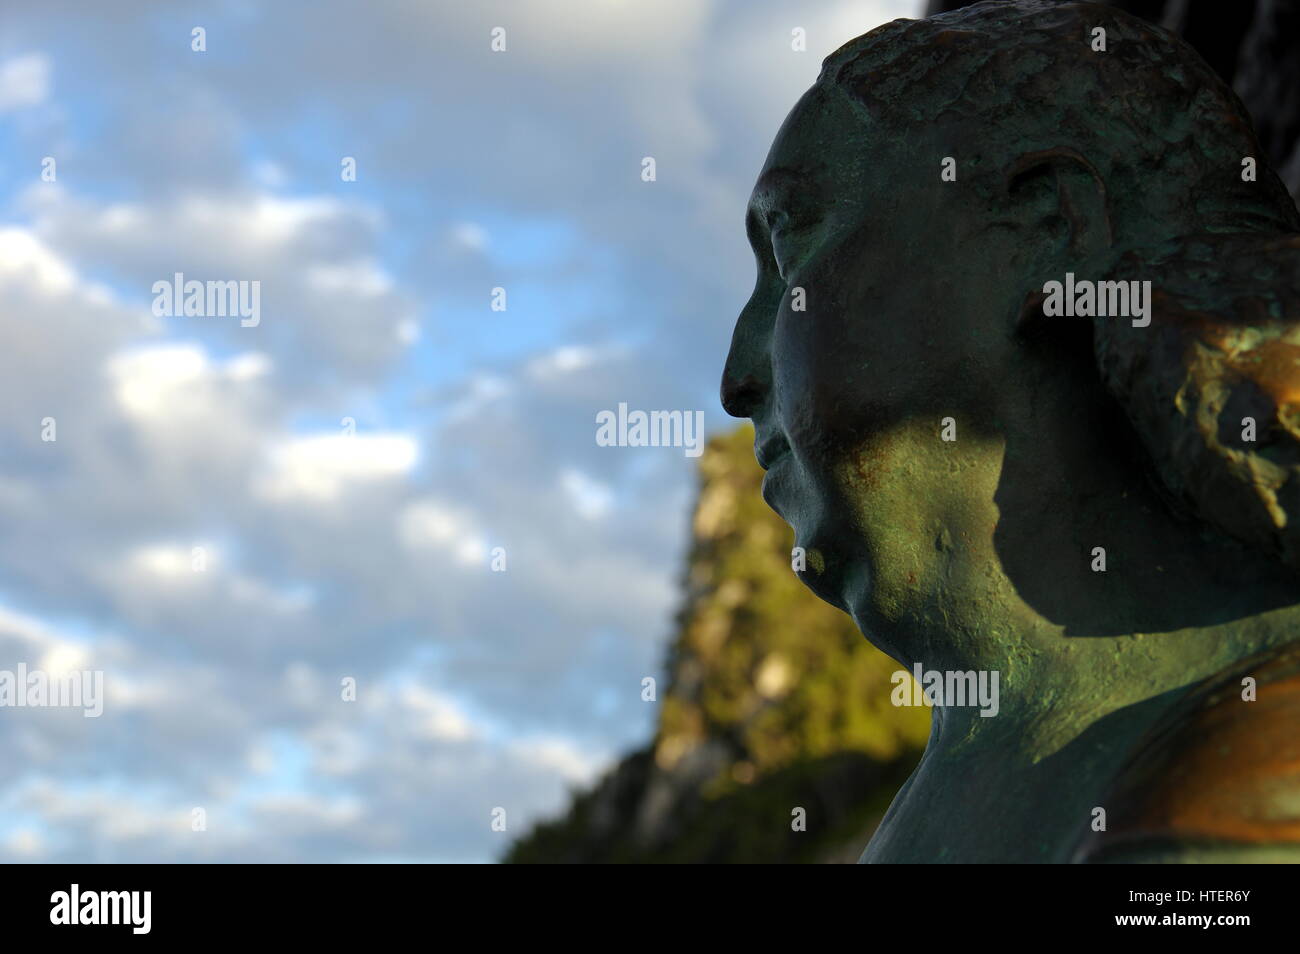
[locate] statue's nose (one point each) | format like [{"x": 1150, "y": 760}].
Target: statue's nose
[
  {"x": 741, "y": 395},
  {"x": 746, "y": 377}
]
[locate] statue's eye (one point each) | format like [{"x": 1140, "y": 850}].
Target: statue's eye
[
  {"x": 787, "y": 242},
  {"x": 780, "y": 254}
]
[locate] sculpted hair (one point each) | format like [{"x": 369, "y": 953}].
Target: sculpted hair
[
  {"x": 994, "y": 73},
  {"x": 1212, "y": 385}
]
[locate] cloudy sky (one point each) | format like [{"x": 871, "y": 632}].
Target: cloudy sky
[{"x": 233, "y": 519}]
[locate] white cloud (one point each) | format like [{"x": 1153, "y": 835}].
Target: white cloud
[
  {"x": 173, "y": 562},
  {"x": 322, "y": 467},
  {"x": 324, "y": 296},
  {"x": 24, "y": 81},
  {"x": 176, "y": 380},
  {"x": 564, "y": 360},
  {"x": 470, "y": 235},
  {"x": 435, "y": 716},
  {"x": 365, "y": 278},
  {"x": 590, "y": 498},
  {"x": 432, "y": 525},
  {"x": 560, "y": 755},
  {"x": 24, "y": 843},
  {"x": 23, "y": 257}
]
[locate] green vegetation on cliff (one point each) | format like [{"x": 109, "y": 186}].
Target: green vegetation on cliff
[{"x": 774, "y": 702}]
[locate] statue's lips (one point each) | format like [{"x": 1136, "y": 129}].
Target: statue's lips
[
  {"x": 770, "y": 450},
  {"x": 775, "y": 478}
]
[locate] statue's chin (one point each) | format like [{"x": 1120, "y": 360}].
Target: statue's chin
[{"x": 825, "y": 575}]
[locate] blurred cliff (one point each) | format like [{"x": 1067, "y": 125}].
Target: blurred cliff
[{"x": 773, "y": 701}]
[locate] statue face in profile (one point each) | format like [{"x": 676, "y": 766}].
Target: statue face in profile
[
  {"x": 991, "y": 479},
  {"x": 897, "y": 278}
]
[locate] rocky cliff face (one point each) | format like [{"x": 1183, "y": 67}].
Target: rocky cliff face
[{"x": 774, "y": 703}]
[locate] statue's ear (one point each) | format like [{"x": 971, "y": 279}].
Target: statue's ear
[{"x": 1064, "y": 192}]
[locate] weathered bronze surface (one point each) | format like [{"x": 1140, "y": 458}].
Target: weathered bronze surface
[{"x": 896, "y": 307}]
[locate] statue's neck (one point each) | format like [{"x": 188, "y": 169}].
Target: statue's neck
[
  {"x": 1102, "y": 598},
  {"x": 1020, "y": 786},
  {"x": 1052, "y": 688}
]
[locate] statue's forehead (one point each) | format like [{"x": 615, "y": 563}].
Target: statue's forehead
[
  {"x": 822, "y": 140},
  {"x": 811, "y": 119}
]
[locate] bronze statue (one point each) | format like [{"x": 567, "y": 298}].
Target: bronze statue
[{"x": 1002, "y": 451}]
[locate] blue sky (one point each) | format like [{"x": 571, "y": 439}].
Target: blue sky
[{"x": 330, "y": 555}]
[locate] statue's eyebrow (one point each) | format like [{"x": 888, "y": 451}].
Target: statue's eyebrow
[
  {"x": 754, "y": 227},
  {"x": 772, "y": 186},
  {"x": 771, "y": 192}
]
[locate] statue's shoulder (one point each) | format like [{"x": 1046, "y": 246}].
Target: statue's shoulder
[{"x": 1218, "y": 777}]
